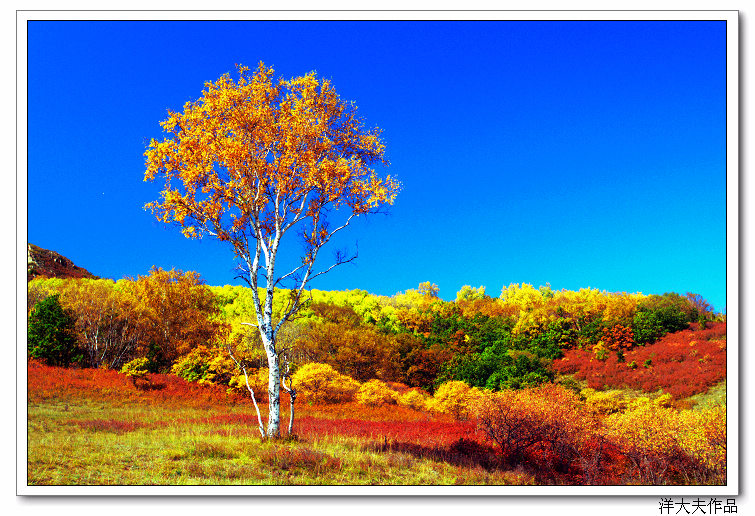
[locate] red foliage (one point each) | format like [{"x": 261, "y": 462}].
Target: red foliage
[
  {"x": 437, "y": 433},
  {"x": 682, "y": 364},
  {"x": 618, "y": 337},
  {"x": 45, "y": 382}
]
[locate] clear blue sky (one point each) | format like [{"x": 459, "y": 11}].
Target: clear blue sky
[{"x": 575, "y": 153}]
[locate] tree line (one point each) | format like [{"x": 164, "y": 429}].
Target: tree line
[{"x": 413, "y": 337}]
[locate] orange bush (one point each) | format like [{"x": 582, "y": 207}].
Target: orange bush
[{"x": 548, "y": 426}]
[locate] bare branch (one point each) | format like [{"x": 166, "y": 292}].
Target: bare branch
[{"x": 249, "y": 388}]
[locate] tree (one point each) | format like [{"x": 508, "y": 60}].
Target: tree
[
  {"x": 51, "y": 333},
  {"x": 255, "y": 160},
  {"x": 428, "y": 289},
  {"x": 179, "y": 312},
  {"x": 108, "y": 325}
]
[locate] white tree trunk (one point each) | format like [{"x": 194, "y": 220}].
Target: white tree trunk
[{"x": 273, "y": 391}]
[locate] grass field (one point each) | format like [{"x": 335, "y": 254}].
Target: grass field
[{"x": 94, "y": 428}]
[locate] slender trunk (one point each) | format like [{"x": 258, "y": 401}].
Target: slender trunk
[
  {"x": 254, "y": 400},
  {"x": 292, "y": 398},
  {"x": 273, "y": 391}
]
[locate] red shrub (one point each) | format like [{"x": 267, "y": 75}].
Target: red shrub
[
  {"x": 682, "y": 363},
  {"x": 45, "y": 382},
  {"x": 618, "y": 337}
]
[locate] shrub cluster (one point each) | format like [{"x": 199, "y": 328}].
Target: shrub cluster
[
  {"x": 682, "y": 364},
  {"x": 606, "y": 439},
  {"x": 664, "y": 445},
  {"x": 455, "y": 398}
]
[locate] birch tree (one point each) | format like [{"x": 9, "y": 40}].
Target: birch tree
[{"x": 259, "y": 161}]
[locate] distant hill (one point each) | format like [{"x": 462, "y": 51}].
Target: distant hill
[{"x": 43, "y": 262}]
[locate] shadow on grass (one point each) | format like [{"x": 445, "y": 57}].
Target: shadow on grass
[{"x": 464, "y": 453}]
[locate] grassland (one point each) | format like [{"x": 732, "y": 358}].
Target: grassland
[{"x": 95, "y": 428}]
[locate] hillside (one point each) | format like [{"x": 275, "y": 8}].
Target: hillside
[{"x": 43, "y": 262}]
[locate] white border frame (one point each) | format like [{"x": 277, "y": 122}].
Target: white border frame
[{"x": 732, "y": 234}]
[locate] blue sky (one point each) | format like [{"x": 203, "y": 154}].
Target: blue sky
[{"x": 575, "y": 153}]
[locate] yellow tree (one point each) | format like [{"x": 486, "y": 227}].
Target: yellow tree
[
  {"x": 256, "y": 159},
  {"x": 179, "y": 313}
]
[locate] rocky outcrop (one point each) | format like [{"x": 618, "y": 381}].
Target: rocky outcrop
[{"x": 43, "y": 262}]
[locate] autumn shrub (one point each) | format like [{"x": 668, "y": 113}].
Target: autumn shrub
[
  {"x": 414, "y": 398},
  {"x": 321, "y": 383},
  {"x": 548, "y": 426},
  {"x": 681, "y": 363},
  {"x": 618, "y": 337},
  {"x": 455, "y": 398},
  {"x": 376, "y": 392},
  {"x": 705, "y": 439},
  {"x": 136, "y": 369},
  {"x": 667, "y": 446},
  {"x": 108, "y": 386},
  {"x": 604, "y": 402},
  {"x": 205, "y": 365}
]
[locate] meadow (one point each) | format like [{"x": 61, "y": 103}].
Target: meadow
[{"x": 93, "y": 427}]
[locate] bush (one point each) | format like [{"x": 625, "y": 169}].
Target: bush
[
  {"x": 51, "y": 333},
  {"x": 414, "y": 399},
  {"x": 682, "y": 364},
  {"x": 604, "y": 402},
  {"x": 669, "y": 446},
  {"x": 547, "y": 426},
  {"x": 205, "y": 365},
  {"x": 321, "y": 383},
  {"x": 136, "y": 369},
  {"x": 455, "y": 398},
  {"x": 376, "y": 392},
  {"x": 618, "y": 337}
]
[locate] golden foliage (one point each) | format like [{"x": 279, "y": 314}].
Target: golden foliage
[
  {"x": 180, "y": 313},
  {"x": 414, "y": 398},
  {"x": 650, "y": 432},
  {"x": 455, "y": 398},
  {"x": 321, "y": 383},
  {"x": 376, "y": 392},
  {"x": 259, "y": 150},
  {"x": 258, "y": 381}
]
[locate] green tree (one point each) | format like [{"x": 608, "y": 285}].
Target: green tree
[{"x": 51, "y": 333}]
